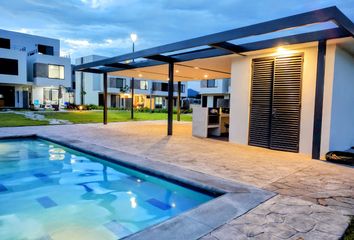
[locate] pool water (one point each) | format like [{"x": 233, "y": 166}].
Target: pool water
[{"x": 48, "y": 191}]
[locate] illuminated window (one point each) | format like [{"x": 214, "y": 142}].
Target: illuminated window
[
  {"x": 55, "y": 71},
  {"x": 143, "y": 85}
]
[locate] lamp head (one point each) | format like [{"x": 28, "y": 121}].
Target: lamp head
[{"x": 133, "y": 37}]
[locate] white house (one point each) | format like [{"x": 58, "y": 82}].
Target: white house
[
  {"x": 213, "y": 89},
  {"x": 32, "y": 71},
  {"x": 147, "y": 93}
]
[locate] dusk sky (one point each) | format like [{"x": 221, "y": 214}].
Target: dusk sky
[{"x": 103, "y": 26}]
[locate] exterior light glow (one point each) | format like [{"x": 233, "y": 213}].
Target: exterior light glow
[
  {"x": 206, "y": 75},
  {"x": 140, "y": 75},
  {"x": 133, "y": 203},
  {"x": 133, "y": 37},
  {"x": 284, "y": 51},
  {"x": 81, "y": 107},
  {"x": 177, "y": 71}
]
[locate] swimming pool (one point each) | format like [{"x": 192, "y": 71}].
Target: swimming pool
[{"x": 48, "y": 191}]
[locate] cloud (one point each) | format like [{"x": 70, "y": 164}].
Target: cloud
[
  {"x": 103, "y": 26},
  {"x": 97, "y": 3}
]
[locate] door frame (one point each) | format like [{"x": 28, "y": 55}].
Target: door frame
[{"x": 250, "y": 99}]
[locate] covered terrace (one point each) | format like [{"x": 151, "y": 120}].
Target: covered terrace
[{"x": 210, "y": 56}]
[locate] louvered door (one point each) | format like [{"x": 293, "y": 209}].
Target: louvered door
[
  {"x": 285, "y": 126},
  {"x": 275, "y": 103},
  {"x": 261, "y": 102}
]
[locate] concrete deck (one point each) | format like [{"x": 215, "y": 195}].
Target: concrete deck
[{"x": 314, "y": 198}]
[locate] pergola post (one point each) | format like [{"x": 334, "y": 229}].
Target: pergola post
[
  {"x": 132, "y": 103},
  {"x": 179, "y": 86},
  {"x": 317, "y": 121},
  {"x": 105, "y": 98},
  {"x": 170, "y": 98}
]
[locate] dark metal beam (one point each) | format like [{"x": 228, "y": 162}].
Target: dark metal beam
[
  {"x": 105, "y": 85},
  {"x": 92, "y": 70},
  {"x": 312, "y": 17},
  {"x": 317, "y": 122},
  {"x": 170, "y": 99},
  {"x": 161, "y": 58},
  {"x": 179, "y": 88},
  {"x": 228, "y": 46},
  {"x": 214, "y": 52},
  {"x": 119, "y": 65}
]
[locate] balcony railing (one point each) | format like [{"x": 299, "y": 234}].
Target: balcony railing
[{"x": 56, "y": 53}]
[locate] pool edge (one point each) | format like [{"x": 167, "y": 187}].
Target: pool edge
[{"x": 231, "y": 199}]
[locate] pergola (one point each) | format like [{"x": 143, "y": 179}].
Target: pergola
[{"x": 212, "y": 54}]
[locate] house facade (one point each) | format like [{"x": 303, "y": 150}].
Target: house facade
[
  {"x": 147, "y": 93},
  {"x": 32, "y": 71},
  {"x": 274, "y": 96},
  {"x": 213, "y": 89}
]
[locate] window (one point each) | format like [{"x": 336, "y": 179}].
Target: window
[
  {"x": 5, "y": 43},
  {"x": 40, "y": 70},
  {"x": 116, "y": 82},
  {"x": 211, "y": 83},
  {"x": 143, "y": 85},
  {"x": 44, "y": 49},
  {"x": 55, "y": 71},
  {"x": 50, "y": 96},
  {"x": 158, "y": 102},
  {"x": 8, "y": 66}
]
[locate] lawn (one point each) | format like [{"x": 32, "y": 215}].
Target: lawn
[
  {"x": 15, "y": 120},
  {"x": 113, "y": 116}
]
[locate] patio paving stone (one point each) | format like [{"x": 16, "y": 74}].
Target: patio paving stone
[{"x": 314, "y": 201}]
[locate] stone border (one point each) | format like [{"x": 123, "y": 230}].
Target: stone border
[{"x": 232, "y": 199}]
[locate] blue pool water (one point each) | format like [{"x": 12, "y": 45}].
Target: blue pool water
[{"x": 48, "y": 191}]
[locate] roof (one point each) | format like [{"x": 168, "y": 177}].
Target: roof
[{"x": 191, "y": 58}]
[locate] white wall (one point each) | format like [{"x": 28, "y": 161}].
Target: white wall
[
  {"x": 21, "y": 57},
  {"x": 342, "y": 121},
  {"x": 47, "y": 59},
  {"x": 240, "y": 97},
  {"x": 21, "y": 40}
]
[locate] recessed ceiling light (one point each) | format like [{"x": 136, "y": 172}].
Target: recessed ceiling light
[
  {"x": 140, "y": 75},
  {"x": 196, "y": 67},
  {"x": 177, "y": 71},
  {"x": 206, "y": 75}
]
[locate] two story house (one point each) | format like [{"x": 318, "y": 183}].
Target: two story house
[
  {"x": 32, "y": 71},
  {"x": 213, "y": 89}
]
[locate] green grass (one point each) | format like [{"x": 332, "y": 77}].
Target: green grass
[
  {"x": 349, "y": 233},
  {"x": 15, "y": 120},
  {"x": 113, "y": 116}
]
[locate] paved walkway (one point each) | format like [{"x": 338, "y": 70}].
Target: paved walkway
[{"x": 314, "y": 198}]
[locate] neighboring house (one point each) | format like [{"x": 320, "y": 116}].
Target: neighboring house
[
  {"x": 150, "y": 94},
  {"x": 214, "y": 89},
  {"x": 32, "y": 71}
]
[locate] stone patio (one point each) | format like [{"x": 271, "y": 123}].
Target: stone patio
[{"x": 314, "y": 198}]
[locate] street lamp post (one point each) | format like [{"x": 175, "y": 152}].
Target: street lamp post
[{"x": 133, "y": 37}]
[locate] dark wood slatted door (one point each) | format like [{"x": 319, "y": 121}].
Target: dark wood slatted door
[
  {"x": 286, "y": 103},
  {"x": 261, "y": 102}
]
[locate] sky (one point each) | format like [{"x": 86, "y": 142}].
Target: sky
[{"x": 103, "y": 27}]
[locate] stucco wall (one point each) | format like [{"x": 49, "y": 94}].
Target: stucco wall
[
  {"x": 21, "y": 57},
  {"x": 47, "y": 59},
  {"x": 240, "y": 97},
  {"x": 342, "y": 121}
]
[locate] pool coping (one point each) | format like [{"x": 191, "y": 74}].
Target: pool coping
[{"x": 232, "y": 199}]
